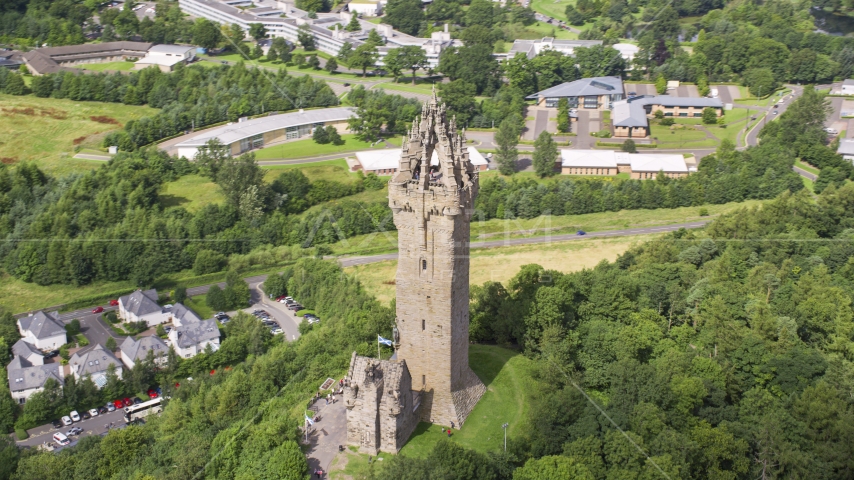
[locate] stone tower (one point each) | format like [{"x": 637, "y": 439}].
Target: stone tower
[{"x": 432, "y": 207}]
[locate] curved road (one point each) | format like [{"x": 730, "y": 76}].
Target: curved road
[{"x": 255, "y": 280}]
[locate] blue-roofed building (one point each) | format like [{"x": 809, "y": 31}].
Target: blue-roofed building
[{"x": 597, "y": 93}]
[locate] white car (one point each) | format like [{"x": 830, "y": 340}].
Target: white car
[
  {"x": 111, "y": 407},
  {"x": 276, "y": 331},
  {"x": 75, "y": 417},
  {"x": 93, "y": 412},
  {"x": 66, "y": 420}
]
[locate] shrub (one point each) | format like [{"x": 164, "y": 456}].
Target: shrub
[
  {"x": 704, "y": 212},
  {"x": 82, "y": 341},
  {"x": 111, "y": 344},
  {"x": 629, "y": 146},
  {"x": 161, "y": 332},
  {"x": 21, "y": 434},
  {"x": 208, "y": 261},
  {"x": 111, "y": 317},
  {"x": 666, "y": 122}
]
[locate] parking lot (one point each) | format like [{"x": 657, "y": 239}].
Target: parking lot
[{"x": 93, "y": 426}]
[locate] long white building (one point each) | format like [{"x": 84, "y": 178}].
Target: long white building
[{"x": 284, "y": 20}]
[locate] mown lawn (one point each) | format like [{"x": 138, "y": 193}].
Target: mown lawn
[
  {"x": 330, "y": 170},
  {"x": 309, "y": 148},
  {"x": 112, "y": 66},
  {"x": 808, "y": 168},
  {"x": 197, "y": 304},
  {"x": 191, "y": 192},
  {"x": 46, "y": 130},
  {"x": 680, "y": 137}
]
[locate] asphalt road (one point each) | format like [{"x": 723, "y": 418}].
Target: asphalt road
[
  {"x": 805, "y": 173},
  {"x": 753, "y": 135},
  {"x": 93, "y": 426}
]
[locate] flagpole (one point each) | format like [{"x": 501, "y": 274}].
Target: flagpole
[{"x": 379, "y": 355}]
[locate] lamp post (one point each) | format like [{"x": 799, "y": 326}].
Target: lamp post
[{"x": 505, "y": 435}]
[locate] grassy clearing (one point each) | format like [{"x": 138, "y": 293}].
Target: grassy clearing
[
  {"x": 500, "y": 264},
  {"x": 17, "y": 296},
  {"x": 680, "y": 138},
  {"x": 507, "y": 375},
  {"x": 197, "y": 304},
  {"x": 191, "y": 192},
  {"x": 809, "y": 184},
  {"x": 543, "y": 29},
  {"x": 46, "y": 130},
  {"x": 331, "y": 170},
  {"x": 806, "y": 167},
  {"x": 111, "y": 66},
  {"x": 308, "y": 148}
]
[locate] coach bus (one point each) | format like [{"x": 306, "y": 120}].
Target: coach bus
[{"x": 144, "y": 409}]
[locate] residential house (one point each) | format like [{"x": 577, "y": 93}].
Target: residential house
[
  {"x": 94, "y": 362},
  {"x": 597, "y": 93},
  {"x": 28, "y": 352},
  {"x": 182, "y": 315},
  {"x": 133, "y": 351},
  {"x": 43, "y": 329},
  {"x": 27, "y": 377},
  {"x": 141, "y": 305},
  {"x": 191, "y": 339}
]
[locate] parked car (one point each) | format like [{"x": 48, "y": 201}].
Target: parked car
[
  {"x": 219, "y": 314},
  {"x": 346, "y": 84},
  {"x": 295, "y": 307},
  {"x": 276, "y": 331},
  {"x": 75, "y": 417},
  {"x": 86, "y": 415},
  {"x": 93, "y": 412},
  {"x": 152, "y": 393},
  {"x": 51, "y": 354},
  {"x": 61, "y": 439},
  {"x": 128, "y": 402},
  {"x": 75, "y": 431},
  {"x": 56, "y": 424},
  {"x": 581, "y": 232},
  {"x": 111, "y": 407},
  {"x": 312, "y": 321},
  {"x": 66, "y": 420},
  {"x": 98, "y": 310},
  {"x": 103, "y": 410},
  {"x": 114, "y": 303},
  {"x": 118, "y": 403},
  {"x": 137, "y": 400}
]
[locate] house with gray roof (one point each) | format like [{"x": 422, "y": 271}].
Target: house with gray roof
[
  {"x": 597, "y": 93},
  {"x": 191, "y": 339},
  {"x": 94, "y": 362},
  {"x": 141, "y": 305},
  {"x": 132, "y": 351},
  {"x": 43, "y": 329},
  {"x": 630, "y": 117},
  {"x": 846, "y": 149},
  {"x": 630, "y": 120},
  {"x": 28, "y": 352},
  {"x": 182, "y": 315},
  {"x": 27, "y": 378}
]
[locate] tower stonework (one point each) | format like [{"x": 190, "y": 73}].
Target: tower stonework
[
  {"x": 432, "y": 206},
  {"x": 429, "y": 379}
]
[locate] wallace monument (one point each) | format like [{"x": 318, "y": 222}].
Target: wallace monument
[{"x": 429, "y": 379}]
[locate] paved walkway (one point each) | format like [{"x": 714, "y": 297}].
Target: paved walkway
[{"x": 327, "y": 434}]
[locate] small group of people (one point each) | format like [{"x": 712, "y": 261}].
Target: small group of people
[{"x": 319, "y": 473}]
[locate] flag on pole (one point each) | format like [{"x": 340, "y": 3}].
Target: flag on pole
[
  {"x": 310, "y": 422},
  {"x": 384, "y": 341}
]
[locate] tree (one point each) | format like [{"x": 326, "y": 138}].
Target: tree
[
  {"x": 710, "y": 116},
  {"x": 507, "y": 137},
  {"x": 331, "y": 65},
  {"x": 206, "y": 34},
  {"x": 364, "y": 57},
  {"x": 345, "y": 52},
  {"x": 238, "y": 174},
  {"x": 306, "y": 38},
  {"x": 180, "y": 294},
  {"x": 563, "y": 115},
  {"x": 234, "y": 36},
  {"x": 405, "y": 15},
  {"x": 629, "y": 146},
  {"x": 545, "y": 154},
  {"x": 15, "y": 85},
  {"x": 412, "y": 58},
  {"x": 314, "y": 62},
  {"x": 354, "y": 25},
  {"x": 474, "y": 64},
  {"x": 661, "y": 84},
  {"x": 285, "y": 54},
  {"x": 208, "y": 261},
  {"x": 760, "y": 81},
  {"x": 333, "y": 135},
  {"x": 73, "y": 328},
  {"x": 557, "y": 466},
  {"x": 215, "y": 299},
  {"x": 481, "y": 13},
  {"x": 573, "y": 16},
  {"x": 374, "y": 38},
  {"x": 299, "y": 59},
  {"x": 319, "y": 136},
  {"x": 110, "y": 344},
  {"x": 459, "y": 97},
  {"x": 257, "y": 31}
]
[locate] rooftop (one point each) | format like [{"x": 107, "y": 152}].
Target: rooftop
[
  {"x": 141, "y": 302},
  {"x": 234, "y": 132},
  {"x": 583, "y": 87},
  {"x": 848, "y": 82},
  {"x": 629, "y": 114},
  {"x": 669, "y": 101},
  {"x": 846, "y": 146},
  {"x": 588, "y": 158},
  {"x": 171, "y": 49},
  {"x": 93, "y": 360},
  {"x": 24, "y": 349},
  {"x": 196, "y": 333},
  {"x": 390, "y": 158},
  {"x": 28, "y": 377},
  {"x": 655, "y": 162},
  {"x": 43, "y": 324},
  {"x": 138, "y": 349}
]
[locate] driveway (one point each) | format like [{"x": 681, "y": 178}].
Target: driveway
[
  {"x": 95, "y": 329},
  {"x": 583, "y": 128},
  {"x": 93, "y": 426},
  {"x": 727, "y": 93},
  {"x": 686, "y": 91},
  {"x": 641, "y": 88},
  {"x": 286, "y": 319}
]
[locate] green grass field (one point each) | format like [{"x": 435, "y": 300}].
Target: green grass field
[
  {"x": 46, "y": 130},
  {"x": 391, "y": 87},
  {"x": 308, "y": 148},
  {"x": 331, "y": 170},
  {"x": 809, "y": 184},
  {"x": 111, "y": 66},
  {"x": 191, "y": 192},
  {"x": 197, "y": 304},
  {"x": 808, "y": 168},
  {"x": 680, "y": 138},
  {"x": 543, "y": 29}
]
